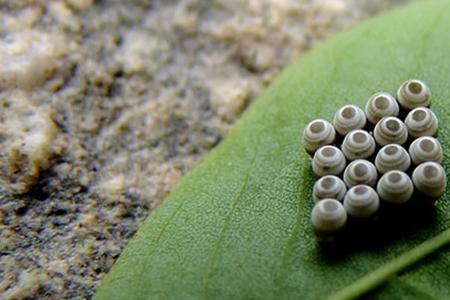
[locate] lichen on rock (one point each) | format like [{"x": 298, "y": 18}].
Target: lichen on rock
[
  {"x": 29, "y": 283},
  {"x": 28, "y": 58},
  {"x": 29, "y": 139}
]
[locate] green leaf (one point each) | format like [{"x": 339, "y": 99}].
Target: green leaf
[{"x": 237, "y": 227}]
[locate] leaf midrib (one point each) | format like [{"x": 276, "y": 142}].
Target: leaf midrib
[{"x": 373, "y": 279}]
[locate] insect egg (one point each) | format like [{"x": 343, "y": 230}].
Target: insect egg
[
  {"x": 424, "y": 149},
  {"x": 414, "y": 93},
  {"x": 421, "y": 121},
  {"x": 392, "y": 157},
  {"x": 358, "y": 144},
  {"x": 348, "y": 118},
  {"x": 317, "y": 134},
  {"x": 328, "y": 217},
  {"x": 360, "y": 171},
  {"x": 429, "y": 179},
  {"x": 328, "y": 160},
  {"x": 361, "y": 201},
  {"x": 329, "y": 186},
  {"x": 395, "y": 187},
  {"x": 381, "y": 105},
  {"x": 390, "y": 130}
]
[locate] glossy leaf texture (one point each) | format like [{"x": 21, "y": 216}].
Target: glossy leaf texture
[{"x": 238, "y": 227}]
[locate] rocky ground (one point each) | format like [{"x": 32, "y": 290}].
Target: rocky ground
[{"x": 106, "y": 104}]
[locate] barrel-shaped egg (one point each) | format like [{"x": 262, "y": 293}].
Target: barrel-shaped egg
[
  {"x": 360, "y": 171},
  {"x": 392, "y": 157},
  {"x": 328, "y": 160},
  {"x": 425, "y": 149},
  {"x": 329, "y": 186},
  {"x": 328, "y": 217},
  {"x": 422, "y": 121},
  {"x": 390, "y": 130},
  {"x": 381, "y": 105},
  {"x": 358, "y": 144},
  {"x": 318, "y": 133},
  {"x": 414, "y": 93},
  {"x": 395, "y": 187},
  {"x": 361, "y": 201},
  {"x": 430, "y": 179},
  {"x": 348, "y": 118}
]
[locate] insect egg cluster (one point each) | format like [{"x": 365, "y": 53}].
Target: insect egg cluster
[{"x": 385, "y": 155}]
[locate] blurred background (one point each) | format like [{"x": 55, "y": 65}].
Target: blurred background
[{"x": 105, "y": 105}]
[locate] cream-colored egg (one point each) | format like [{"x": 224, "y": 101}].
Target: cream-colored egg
[
  {"x": 328, "y": 216},
  {"x": 381, "y": 105},
  {"x": 422, "y": 121},
  {"x": 361, "y": 201},
  {"x": 430, "y": 179},
  {"x": 358, "y": 144},
  {"x": 395, "y": 187},
  {"x": 328, "y": 160},
  {"x": 390, "y": 130},
  {"x": 424, "y": 149},
  {"x": 414, "y": 93},
  {"x": 392, "y": 157},
  {"x": 348, "y": 118},
  {"x": 318, "y": 133},
  {"x": 360, "y": 171},
  {"x": 329, "y": 186}
]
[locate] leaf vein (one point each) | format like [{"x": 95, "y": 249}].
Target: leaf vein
[
  {"x": 424, "y": 49},
  {"x": 234, "y": 205},
  {"x": 302, "y": 188}
]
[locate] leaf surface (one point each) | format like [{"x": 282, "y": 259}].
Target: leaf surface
[{"x": 237, "y": 226}]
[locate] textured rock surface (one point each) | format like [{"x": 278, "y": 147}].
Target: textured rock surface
[{"x": 116, "y": 102}]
